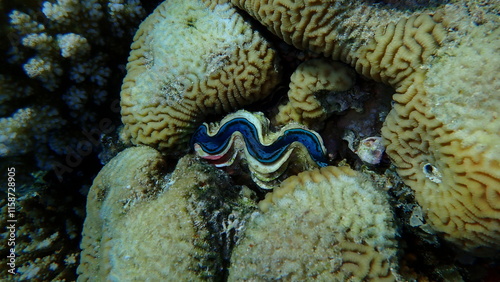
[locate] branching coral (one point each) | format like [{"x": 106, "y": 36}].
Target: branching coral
[
  {"x": 60, "y": 71},
  {"x": 56, "y": 38},
  {"x": 47, "y": 232},
  {"x": 37, "y": 122},
  {"x": 61, "y": 56},
  {"x": 327, "y": 224}
]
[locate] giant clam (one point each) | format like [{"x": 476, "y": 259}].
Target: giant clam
[{"x": 269, "y": 155}]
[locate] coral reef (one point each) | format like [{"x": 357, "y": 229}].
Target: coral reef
[
  {"x": 62, "y": 65},
  {"x": 144, "y": 223},
  {"x": 61, "y": 68},
  {"x": 328, "y": 224},
  {"x": 269, "y": 155},
  {"x": 408, "y": 49},
  {"x": 141, "y": 181},
  {"x": 312, "y": 86},
  {"x": 46, "y": 228},
  {"x": 338, "y": 29},
  {"x": 153, "y": 216},
  {"x": 36, "y": 121},
  {"x": 189, "y": 61}
]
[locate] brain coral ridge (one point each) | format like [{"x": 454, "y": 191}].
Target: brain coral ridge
[
  {"x": 310, "y": 85},
  {"x": 443, "y": 131},
  {"x": 188, "y": 60},
  {"x": 342, "y": 30},
  {"x": 327, "y": 224}
]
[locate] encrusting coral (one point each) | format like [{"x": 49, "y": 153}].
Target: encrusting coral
[
  {"x": 417, "y": 52},
  {"x": 328, "y": 224},
  {"x": 146, "y": 224},
  {"x": 311, "y": 84},
  {"x": 188, "y": 61}
]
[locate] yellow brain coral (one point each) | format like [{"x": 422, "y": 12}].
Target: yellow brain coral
[
  {"x": 451, "y": 158},
  {"x": 345, "y": 30},
  {"x": 443, "y": 132},
  {"x": 188, "y": 61},
  {"x": 328, "y": 224},
  {"x": 144, "y": 224},
  {"x": 128, "y": 179},
  {"x": 311, "y": 79}
]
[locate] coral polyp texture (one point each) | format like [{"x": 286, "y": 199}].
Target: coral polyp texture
[
  {"x": 310, "y": 85},
  {"x": 342, "y": 30},
  {"x": 441, "y": 134},
  {"x": 243, "y": 135},
  {"x": 328, "y": 224},
  {"x": 188, "y": 61},
  {"x": 146, "y": 224}
]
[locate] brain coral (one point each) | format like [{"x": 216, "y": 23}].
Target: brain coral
[
  {"x": 117, "y": 188},
  {"x": 328, "y": 224},
  {"x": 443, "y": 139},
  {"x": 451, "y": 158},
  {"x": 310, "y": 85},
  {"x": 144, "y": 224},
  {"x": 188, "y": 61}
]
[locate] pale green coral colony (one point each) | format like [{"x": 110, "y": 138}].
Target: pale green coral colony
[{"x": 157, "y": 213}]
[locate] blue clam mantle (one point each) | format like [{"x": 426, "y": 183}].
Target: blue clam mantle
[{"x": 268, "y": 153}]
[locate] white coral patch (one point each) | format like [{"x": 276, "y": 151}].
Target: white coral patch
[
  {"x": 60, "y": 11},
  {"x": 38, "y": 41},
  {"x": 72, "y": 45}
]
